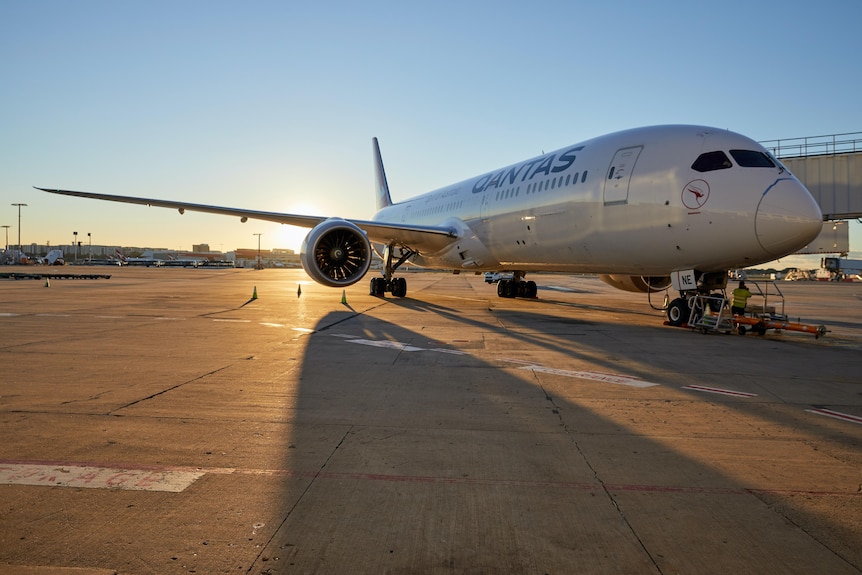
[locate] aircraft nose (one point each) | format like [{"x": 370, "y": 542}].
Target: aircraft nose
[{"x": 787, "y": 218}]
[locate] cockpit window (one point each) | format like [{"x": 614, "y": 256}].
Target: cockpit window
[
  {"x": 711, "y": 161},
  {"x": 752, "y": 159},
  {"x": 781, "y": 167}
]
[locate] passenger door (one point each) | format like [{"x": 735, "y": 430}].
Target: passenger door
[{"x": 619, "y": 175}]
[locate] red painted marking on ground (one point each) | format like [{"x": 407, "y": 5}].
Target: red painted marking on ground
[
  {"x": 451, "y": 480},
  {"x": 836, "y": 415}
]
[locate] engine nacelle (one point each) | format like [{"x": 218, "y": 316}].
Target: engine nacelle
[
  {"x": 335, "y": 253},
  {"x": 639, "y": 284}
]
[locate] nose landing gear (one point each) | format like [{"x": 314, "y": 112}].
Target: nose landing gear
[{"x": 678, "y": 312}]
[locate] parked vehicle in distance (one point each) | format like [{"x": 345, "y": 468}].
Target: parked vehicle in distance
[{"x": 494, "y": 277}]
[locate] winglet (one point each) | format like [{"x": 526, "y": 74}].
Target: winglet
[{"x": 383, "y": 198}]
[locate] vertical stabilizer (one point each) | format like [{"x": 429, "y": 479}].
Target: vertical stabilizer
[{"x": 383, "y": 198}]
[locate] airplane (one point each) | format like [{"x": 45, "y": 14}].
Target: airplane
[
  {"x": 646, "y": 209},
  {"x": 123, "y": 260}
]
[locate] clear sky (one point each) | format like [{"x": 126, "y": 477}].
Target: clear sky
[{"x": 272, "y": 105}]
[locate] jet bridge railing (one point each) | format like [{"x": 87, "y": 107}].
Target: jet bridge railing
[{"x": 846, "y": 143}]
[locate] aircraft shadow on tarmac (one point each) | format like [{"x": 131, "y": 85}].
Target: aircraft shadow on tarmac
[
  {"x": 444, "y": 432},
  {"x": 421, "y": 454}
]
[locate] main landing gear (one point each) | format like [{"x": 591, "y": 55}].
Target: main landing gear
[
  {"x": 396, "y": 286},
  {"x": 517, "y": 287}
]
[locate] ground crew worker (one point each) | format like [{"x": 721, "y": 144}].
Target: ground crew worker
[{"x": 740, "y": 298}]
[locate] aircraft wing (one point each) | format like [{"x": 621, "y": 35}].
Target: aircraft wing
[{"x": 423, "y": 239}]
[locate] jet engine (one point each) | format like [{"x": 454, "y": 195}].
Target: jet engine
[
  {"x": 335, "y": 253},
  {"x": 640, "y": 284}
]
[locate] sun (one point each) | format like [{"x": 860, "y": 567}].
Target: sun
[{"x": 290, "y": 237}]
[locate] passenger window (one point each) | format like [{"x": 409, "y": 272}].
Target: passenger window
[
  {"x": 752, "y": 159},
  {"x": 711, "y": 161}
]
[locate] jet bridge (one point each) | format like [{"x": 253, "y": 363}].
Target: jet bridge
[{"x": 830, "y": 167}]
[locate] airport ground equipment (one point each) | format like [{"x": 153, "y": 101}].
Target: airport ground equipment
[
  {"x": 841, "y": 268},
  {"x": 764, "y": 311},
  {"x": 759, "y": 325},
  {"x": 38, "y": 276},
  {"x": 711, "y": 312}
]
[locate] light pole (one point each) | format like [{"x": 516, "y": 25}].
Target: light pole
[
  {"x": 6, "y": 249},
  {"x": 259, "y": 264},
  {"x": 18, "y": 257},
  {"x": 75, "y": 245},
  {"x": 90, "y": 241}
]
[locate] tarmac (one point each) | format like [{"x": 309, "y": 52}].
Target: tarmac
[{"x": 167, "y": 421}]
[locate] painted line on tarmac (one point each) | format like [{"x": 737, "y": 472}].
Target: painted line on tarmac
[
  {"x": 719, "y": 391},
  {"x": 534, "y": 483},
  {"x": 390, "y": 344},
  {"x": 614, "y": 378},
  {"x": 836, "y": 415},
  {"x": 176, "y": 479},
  {"x": 480, "y": 300},
  {"x": 560, "y": 289},
  {"x": 72, "y": 475}
]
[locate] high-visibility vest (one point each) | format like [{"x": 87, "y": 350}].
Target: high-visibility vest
[{"x": 740, "y": 297}]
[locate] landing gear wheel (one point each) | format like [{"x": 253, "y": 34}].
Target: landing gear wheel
[
  {"x": 399, "y": 287},
  {"x": 678, "y": 312},
  {"x": 378, "y": 287},
  {"x": 516, "y": 288},
  {"x": 507, "y": 288}
]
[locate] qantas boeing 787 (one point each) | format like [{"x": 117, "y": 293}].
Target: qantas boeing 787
[{"x": 645, "y": 209}]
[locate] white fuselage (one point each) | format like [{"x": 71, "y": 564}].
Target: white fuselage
[{"x": 624, "y": 203}]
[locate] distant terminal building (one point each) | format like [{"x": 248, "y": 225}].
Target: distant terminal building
[
  {"x": 275, "y": 258},
  {"x": 72, "y": 253}
]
